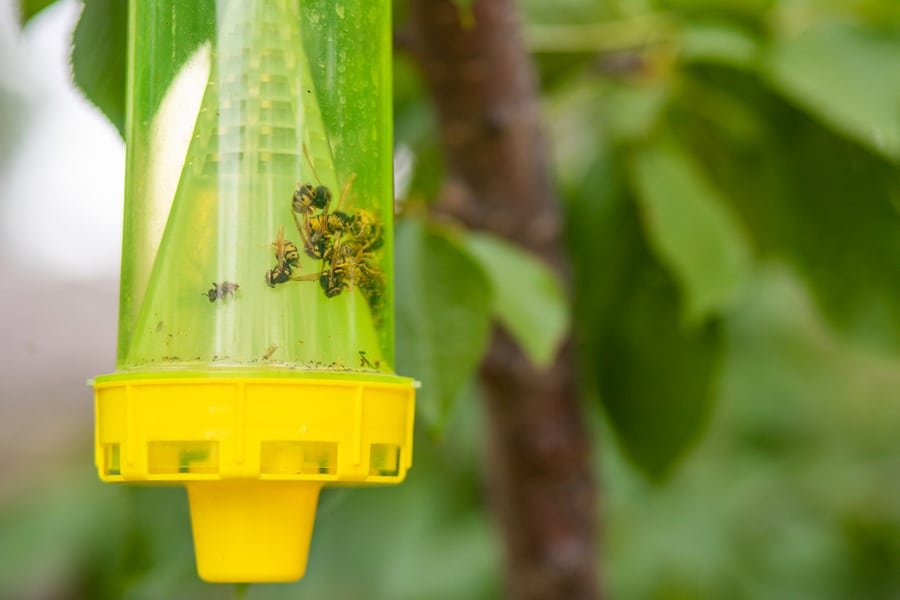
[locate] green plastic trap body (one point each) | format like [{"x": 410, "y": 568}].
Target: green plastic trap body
[{"x": 255, "y": 355}]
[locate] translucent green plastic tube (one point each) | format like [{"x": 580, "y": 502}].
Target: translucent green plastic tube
[{"x": 234, "y": 107}]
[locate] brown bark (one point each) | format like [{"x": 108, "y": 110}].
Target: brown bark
[{"x": 542, "y": 491}]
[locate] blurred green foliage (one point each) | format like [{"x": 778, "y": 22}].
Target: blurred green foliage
[
  {"x": 730, "y": 171},
  {"x": 29, "y": 8},
  {"x": 441, "y": 341},
  {"x": 99, "y": 51},
  {"x": 713, "y": 141},
  {"x": 528, "y": 298}
]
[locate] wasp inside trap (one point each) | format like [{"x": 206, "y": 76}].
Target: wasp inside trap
[{"x": 255, "y": 356}]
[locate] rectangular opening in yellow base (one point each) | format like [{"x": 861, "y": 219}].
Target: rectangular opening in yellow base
[
  {"x": 298, "y": 458},
  {"x": 111, "y": 459},
  {"x": 168, "y": 458},
  {"x": 384, "y": 460}
]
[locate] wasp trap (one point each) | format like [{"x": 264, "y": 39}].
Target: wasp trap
[{"x": 255, "y": 353}]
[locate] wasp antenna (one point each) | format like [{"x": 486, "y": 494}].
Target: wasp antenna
[
  {"x": 279, "y": 247},
  {"x": 346, "y": 189},
  {"x": 310, "y": 163},
  {"x": 299, "y": 225}
]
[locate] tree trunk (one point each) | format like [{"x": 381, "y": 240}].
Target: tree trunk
[{"x": 541, "y": 486}]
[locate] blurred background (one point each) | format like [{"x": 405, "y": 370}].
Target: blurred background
[{"x": 730, "y": 171}]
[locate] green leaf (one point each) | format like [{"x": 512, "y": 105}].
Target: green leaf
[
  {"x": 443, "y": 308},
  {"x": 98, "y": 57},
  {"x": 737, "y": 8},
  {"x": 827, "y": 206},
  {"x": 690, "y": 230},
  {"x": 718, "y": 43},
  {"x": 29, "y": 8},
  {"x": 656, "y": 378},
  {"x": 847, "y": 76},
  {"x": 838, "y": 220},
  {"x": 56, "y": 529},
  {"x": 528, "y": 296}
]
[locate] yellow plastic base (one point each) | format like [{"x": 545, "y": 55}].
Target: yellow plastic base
[
  {"x": 254, "y": 454},
  {"x": 252, "y": 531}
]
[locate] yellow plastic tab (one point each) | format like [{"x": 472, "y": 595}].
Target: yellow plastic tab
[{"x": 254, "y": 454}]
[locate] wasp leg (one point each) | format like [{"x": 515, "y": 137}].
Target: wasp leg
[{"x": 310, "y": 277}]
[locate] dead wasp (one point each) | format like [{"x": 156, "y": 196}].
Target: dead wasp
[
  {"x": 278, "y": 274},
  {"x": 310, "y": 211},
  {"x": 351, "y": 266},
  {"x": 308, "y": 198},
  {"x": 345, "y": 242},
  {"x": 306, "y": 202},
  {"x": 372, "y": 289},
  {"x": 220, "y": 291},
  {"x": 366, "y": 229},
  {"x": 332, "y": 283},
  {"x": 352, "y": 262},
  {"x": 352, "y": 241},
  {"x": 349, "y": 263},
  {"x": 361, "y": 230},
  {"x": 287, "y": 257},
  {"x": 333, "y": 224},
  {"x": 286, "y": 252},
  {"x": 320, "y": 231}
]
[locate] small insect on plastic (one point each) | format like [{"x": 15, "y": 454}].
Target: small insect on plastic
[{"x": 220, "y": 291}]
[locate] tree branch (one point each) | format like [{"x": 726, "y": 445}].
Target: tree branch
[{"x": 542, "y": 491}]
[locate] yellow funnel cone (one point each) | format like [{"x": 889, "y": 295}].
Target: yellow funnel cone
[{"x": 252, "y": 531}]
